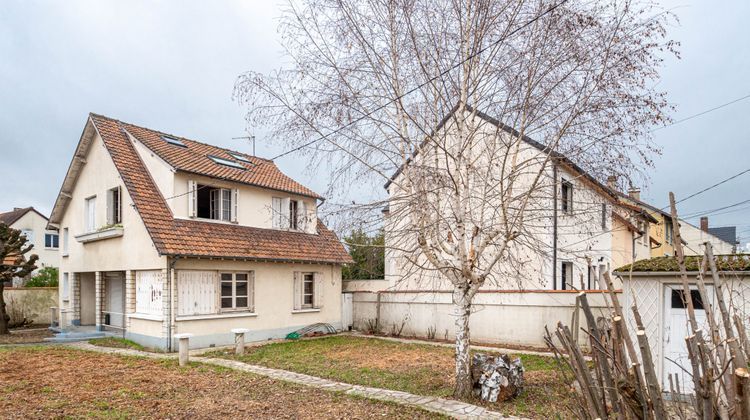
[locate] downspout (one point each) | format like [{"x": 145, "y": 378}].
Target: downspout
[
  {"x": 170, "y": 308},
  {"x": 554, "y": 226}
]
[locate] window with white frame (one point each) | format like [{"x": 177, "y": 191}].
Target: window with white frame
[
  {"x": 89, "y": 215},
  {"x": 213, "y": 292},
  {"x": 51, "y": 240},
  {"x": 287, "y": 213},
  {"x": 29, "y": 234},
  {"x": 566, "y": 275},
  {"x": 66, "y": 235},
  {"x": 235, "y": 291},
  {"x": 65, "y": 287},
  {"x": 308, "y": 291},
  {"x": 210, "y": 202},
  {"x": 148, "y": 292},
  {"x": 566, "y": 197},
  {"x": 114, "y": 206}
]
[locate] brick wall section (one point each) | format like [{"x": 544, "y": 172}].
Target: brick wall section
[
  {"x": 129, "y": 296},
  {"x": 99, "y": 299},
  {"x": 75, "y": 297}
]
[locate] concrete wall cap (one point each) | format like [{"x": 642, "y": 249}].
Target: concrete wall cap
[
  {"x": 183, "y": 335},
  {"x": 240, "y": 330}
]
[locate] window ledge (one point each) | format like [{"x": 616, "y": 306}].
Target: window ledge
[
  {"x": 146, "y": 317},
  {"x": 302, "y": 311},
  {"x": 99, "y": 235},
  {"x": 217, "y": 316}
]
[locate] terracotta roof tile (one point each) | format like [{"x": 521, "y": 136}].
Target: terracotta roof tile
[{"x": 194, "y": 238}]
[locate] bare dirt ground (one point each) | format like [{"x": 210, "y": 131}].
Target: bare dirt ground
[
  {"x": 48, "y": 382},
  {"x": 26, "y": 335}
]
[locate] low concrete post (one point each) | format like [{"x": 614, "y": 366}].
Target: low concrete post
[
  {"x": 239, "y": 340},
  {"x": 183, "y": 346}
]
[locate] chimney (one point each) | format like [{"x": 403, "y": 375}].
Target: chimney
[
  {"x": 634, "y": 193},
  {"x": 704, "y": 223},
  {"x": 612, "y": 182},
  {"x": 16, "y": 208}
]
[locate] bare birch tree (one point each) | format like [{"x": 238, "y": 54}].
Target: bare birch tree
[{"x": 379, "y": 86}]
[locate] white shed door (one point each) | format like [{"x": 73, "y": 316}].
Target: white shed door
[
  {"x": 677, "y": 327},
  {"x": 346, "y": 311}
]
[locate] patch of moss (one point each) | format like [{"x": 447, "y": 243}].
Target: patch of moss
[{"x": 733, "y": 262}]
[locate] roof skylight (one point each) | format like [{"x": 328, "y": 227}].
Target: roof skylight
[
  {"x": 239, "y": 157},
  {"x": 173, "y": 140},
  {"x": 225, "y": 162}
]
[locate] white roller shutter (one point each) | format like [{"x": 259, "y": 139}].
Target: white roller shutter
[
  {"x": 301, "y": 216},
  {"x": 251, "y": 291}
]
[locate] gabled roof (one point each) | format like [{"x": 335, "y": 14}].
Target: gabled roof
[
  {"x": 10, "y": 217},
  {"x": 725, "y": 233},
  {"x": 195, "y": 158},
  {"x": 558, "y": 157},
  {"x": 643, "y": 204},
  {"x": 193, "y": 238}
]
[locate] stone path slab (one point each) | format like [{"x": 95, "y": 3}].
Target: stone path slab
[{"x": 452, "y": 408}]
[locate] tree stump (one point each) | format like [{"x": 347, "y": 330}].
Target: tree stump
[{"x": 496, "y": 378}]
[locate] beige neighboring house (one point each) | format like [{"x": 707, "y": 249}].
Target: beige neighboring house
[
  {"x": 163, "y": 235},
  {"x": 33, "y": 224}
]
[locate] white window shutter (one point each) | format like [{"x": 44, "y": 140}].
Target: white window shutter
[
  {"x": 285, "y": 213},
  {"x": 297, "y": 290},
  {"x": 110, "y": 208},
  {"x": 276, "y": 212},
  {"x": 301, "y": 216},
  {"x": 192, "y": 198},
  {"x": 251, "y": 291},
  {"x": 318, "y": 290},
  {"x": 235, "y": 203}
]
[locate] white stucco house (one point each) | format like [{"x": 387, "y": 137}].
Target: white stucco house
[
  {"x": 582, "y": 229},
  {"x": 162, "y": 235},
  {"x": 33, "y": 225},
  {"x": 695, "y": 237}
]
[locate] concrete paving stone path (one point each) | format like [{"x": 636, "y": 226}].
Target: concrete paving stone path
[{"x": 452, "y": 408}]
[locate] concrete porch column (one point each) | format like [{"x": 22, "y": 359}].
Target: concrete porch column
[
  {"x": 129, "y": 296},
  {"x": 99, "y": 300}
]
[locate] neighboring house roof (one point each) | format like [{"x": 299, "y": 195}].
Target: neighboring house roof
[
  {"x": 512, "y": 131},
  {"x": 192, "y": 238},
  {"x": 10, "y": 217},
  {"x": 725, "y": 233},
  {"x": 732, "y": 262},
  {"x": 631, "y": 227},
  {"x": 637, "y": 210},
  {"x": 644, "y": 204}
]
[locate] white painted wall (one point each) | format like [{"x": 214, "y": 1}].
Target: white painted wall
[
  {"x": 516, "y": 318},
  {"x": 38, "y": 226},
  {"x": 695, "y": 239}
]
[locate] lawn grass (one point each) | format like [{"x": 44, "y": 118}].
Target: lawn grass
[
  {"x": 119, "y": 343},
  {"x": 61, "y": 382},
  {"x": 416, "y": 368}
]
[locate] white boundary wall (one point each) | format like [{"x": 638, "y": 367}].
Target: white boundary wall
[{"x": 501, "y": 317}]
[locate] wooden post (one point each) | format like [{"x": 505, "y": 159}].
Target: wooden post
[
  {"x": 743, "y": 334},
  {"x": 743, "y": 392},
  {"x": 680, "y": 254},
  {"x": 377, "y": 313}
]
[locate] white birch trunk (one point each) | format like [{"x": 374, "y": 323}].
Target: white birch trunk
[{"x": 462, "y": 302}]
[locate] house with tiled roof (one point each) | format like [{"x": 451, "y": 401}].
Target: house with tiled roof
[
  {"x": 33, "y": 225},
  {"x": 162, "y": 235}
]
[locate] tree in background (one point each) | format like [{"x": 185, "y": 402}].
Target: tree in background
[
  {"x": 368, "y": 84},
  {"x": 13, "y": 263},
  {"x": 46, "y": 277},
  {"x": 368, "y": 253}
]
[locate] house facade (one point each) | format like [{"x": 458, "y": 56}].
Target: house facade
[
  {"x": 586, "y": 230},
  {"x": 33, "y": 225},
  {"x": 661, "y": 234},
  {"x": 696, "y": 237},
  {"x": 162, "y": 235}
]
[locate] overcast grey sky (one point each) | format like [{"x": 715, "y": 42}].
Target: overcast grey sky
[{"x": 171, "y": 66}]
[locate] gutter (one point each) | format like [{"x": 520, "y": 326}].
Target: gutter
[{"x": 554, "y": 226}]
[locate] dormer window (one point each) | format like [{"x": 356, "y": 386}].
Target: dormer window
[
  {"x": 173, "y": 141},
  {"x": 239, "y": 157},
  {"x": 226, "y": 162},
  {"x": 289, "y": 214},
  {"x": 212, "y": 202}
]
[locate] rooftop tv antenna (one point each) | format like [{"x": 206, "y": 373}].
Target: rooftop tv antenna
[{"x": 250, "y": 138}]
